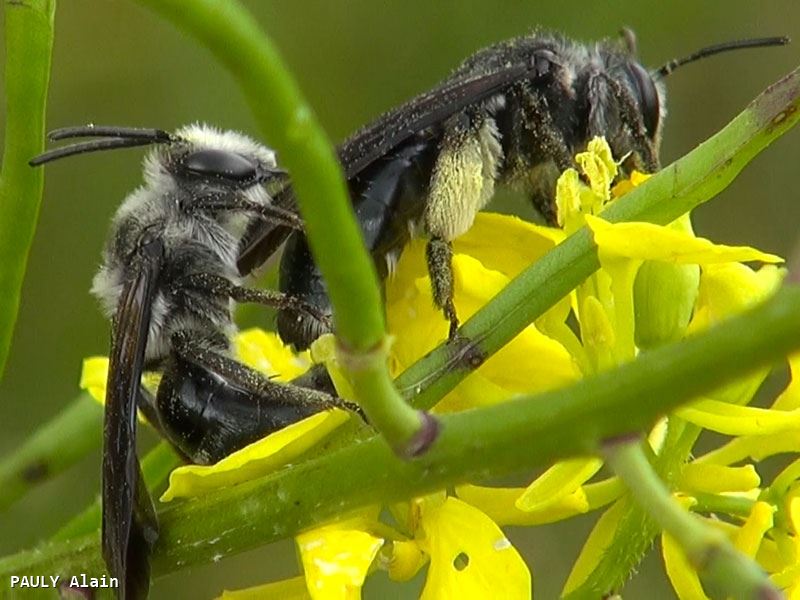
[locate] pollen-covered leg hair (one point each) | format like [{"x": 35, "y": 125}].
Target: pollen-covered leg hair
[
  {"x": 547, "y": 138},
  {"x": 632, "y": 118},
  {"x": 439, "y": 254},
  {"x": 462, "y": 184},
  {"x": 216, "y": 203},
  {"x": 217, "y": 285}
]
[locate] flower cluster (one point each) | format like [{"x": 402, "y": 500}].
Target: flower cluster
[{"x": 655, "y": 285}]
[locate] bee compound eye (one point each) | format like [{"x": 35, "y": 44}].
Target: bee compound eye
[
  {"x": 542, "y": 63},
  {"x": 220, "y": 164},
  {"x": 647, "y": 95}
]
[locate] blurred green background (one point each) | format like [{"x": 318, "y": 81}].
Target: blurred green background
[{"x": 115, "y": 63}]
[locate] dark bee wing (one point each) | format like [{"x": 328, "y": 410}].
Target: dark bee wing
[
  {"x": 374, "y": 141},
  {"x": 387, "y": 132},
  {"x": 129, "y": 522}
]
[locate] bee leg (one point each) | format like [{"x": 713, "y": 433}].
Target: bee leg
[
  {"x": 217, "y": 285},
  {"x": 212, "y": 405},
  {"x": 439, "y": 254},
  {"x": 632, "y": 118},
  {"x": 462, "y": 183},
  {"x": 216, "y": 203}
]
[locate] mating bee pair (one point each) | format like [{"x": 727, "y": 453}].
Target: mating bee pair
[{"x": 215, "y": 206}]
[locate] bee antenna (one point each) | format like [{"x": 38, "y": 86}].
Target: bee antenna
[
  {"x": 140, "y": 133},
  {"x": 111, "y": 138},
  {"x": 670, "y": 66}
]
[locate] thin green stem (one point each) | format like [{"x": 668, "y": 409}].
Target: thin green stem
[
  {"x": 675, "y": 190},
  {"x": 156, "y": 467},
  {"x": 472, "y": 445},
  {"x": 29, "y": 41},
  {"x": 719, "y": 564},
  {"x": 236, "y": 40},
  {"x": 58, "y": 444}
]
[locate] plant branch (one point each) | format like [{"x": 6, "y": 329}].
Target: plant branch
[
  {"x": 29, "y": 41},
  {"x": 567, "y": 422},
  {"x": 55, "y": 446}
]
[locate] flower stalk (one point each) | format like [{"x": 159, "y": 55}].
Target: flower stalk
[{"x": 725, "y": 570}]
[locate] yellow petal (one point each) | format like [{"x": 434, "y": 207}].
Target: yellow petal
[
  {"x": 406, "y": 560},
  {"x": 421, "y": 327},
  {"x": 749, "y": 537},
  {"x": 757, "y": 447},
  {"x": 728, "y": 289},
  {"x": 560, "y": 480},
  {"x": 790, "y": 397},
  {"x": 255, "y": 460},
  {"x": 288, "y": 589},
  {"x": 505, "y": 243},
  {"x": 94, "y": 375},
  {"x": 471, "y": 558},
  {"x": 715, "y": 479},
  {"x": 499, "y": 504},
  {"x": 265, "y": 352},
  {"x": 595, "y": 545},
  {"x": 681, "y": 573},
  {"x": 731, "y": 419},
  {"x": 336, "y": 560},
  {"x": 636, "y": 178},
  {"x": 647, "y": 241}
]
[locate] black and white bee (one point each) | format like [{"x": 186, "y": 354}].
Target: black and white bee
[
  {"x": 169, "y": 280},
  {"x": 549, "y": 96}
]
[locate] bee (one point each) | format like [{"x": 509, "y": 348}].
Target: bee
[
  {"x": 169, "y": 280},
  {"x": 409, "y": 176}
]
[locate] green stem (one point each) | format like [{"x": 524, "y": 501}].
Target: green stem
[
  {"x": 66, "y": 438},
  {"x": 724, "y": 569},
  {"x": 29, "y": 41},
  {"x": 236, "y": 40},
  {"x": 635, "y": 531},
  {"x": 472, "y": 444},
  {"x": 156, "y": 467},
  {"x": 675, "y": 190}
]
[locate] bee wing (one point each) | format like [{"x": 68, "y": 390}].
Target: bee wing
[
  {"x": 377, "y": 139},
  {"x": 129, "y": 522},
  {"x": 374, "y": 141}
]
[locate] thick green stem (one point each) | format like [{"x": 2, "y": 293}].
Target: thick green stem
[
  {"x": 29, "y": 41},
  {"x": 70, "y": 435},
  {"x": 472, "y": 445},
  {"x": 728, "y": 572},
  {"x": 682, "y": 186},
  {"x": 289, "y": 123}
]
